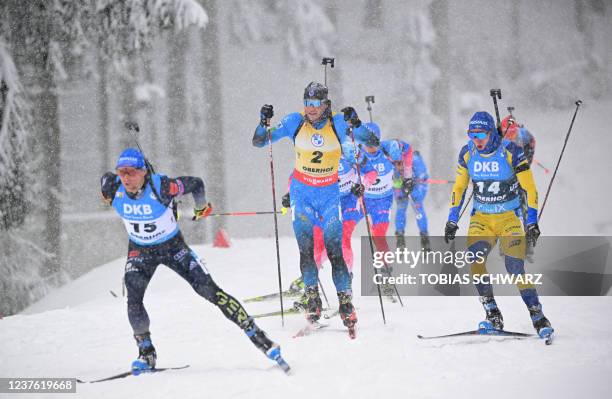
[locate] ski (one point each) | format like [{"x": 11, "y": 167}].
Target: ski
[
  {"x": 286, "y": 294},
  {"x": 309, "y": 328},
  {"x": 128, "y": 373},
  {"x": 481, "y": 331},
  {"x": 290, "y": 311}
]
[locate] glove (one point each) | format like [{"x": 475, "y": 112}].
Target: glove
[
  {"x": 357, "y": 189},
  {"x": 533, "y": 232},
  {"x": 350, "y": 116},
  {"x": 266, "y": 113},
  {"x": 202, "y": 213},
  {"x": 286, "y": 201},
  {"x": 450, "y": 230},
  {"x": 407, "y": 185}
]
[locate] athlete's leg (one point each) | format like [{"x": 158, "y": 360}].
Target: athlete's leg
[
  {"x": 303, "y": 217},
  {"x": 379, "y": 210},
  {"x": 329, "y": 207},
  {"x": 139, "y": 270},
  {"x": 351, "y": 215},
  {"x": 319, "y": 246}
]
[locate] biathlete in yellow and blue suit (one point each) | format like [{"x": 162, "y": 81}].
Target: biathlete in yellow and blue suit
[
  {"x": 497, "y": 168},
  {"x": 319, "y": 137}
]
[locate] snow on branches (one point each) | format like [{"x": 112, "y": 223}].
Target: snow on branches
[{"x": 14, "y": 122}]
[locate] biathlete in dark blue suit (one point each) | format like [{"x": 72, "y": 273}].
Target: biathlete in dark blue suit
[
  {"x": 143, "y": 201},
  {"x": 410, "y": 184},
  {"x": 319, "y": 137}
]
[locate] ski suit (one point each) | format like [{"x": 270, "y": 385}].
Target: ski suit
[
  {"x": 414, "y": 167},
  {"x": 497, "y": 172},
  {"x": 314, "y": 190},
  {"x": 155, "y": 238},
  {"x": 379, "y": 196}
]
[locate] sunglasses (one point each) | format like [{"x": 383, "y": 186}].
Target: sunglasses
[
  {"x": 479, "y": 134},
  {"x": 311, "y": 102}
]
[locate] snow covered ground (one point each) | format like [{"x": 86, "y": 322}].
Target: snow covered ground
[{"x": 81, "y": 330}]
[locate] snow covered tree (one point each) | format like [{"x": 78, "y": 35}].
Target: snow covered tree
[
  {"x": 42, "y": 36},
  {"x": 14, "y": 124}
]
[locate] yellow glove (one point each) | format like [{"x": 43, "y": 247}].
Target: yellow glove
[{"x": 202, "y": 213}]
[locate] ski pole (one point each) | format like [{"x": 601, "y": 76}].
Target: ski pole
[
  {"x": 365, "y": 212},
  {"x": 578, "y": 104},
  {"x": 324, "y": 62},
  {"x": 546, "y": 170},
  {"x": 370, "y": 101},
  {"x": 323, "y": 291},
  {"x": 435, "y": 181},
  {"x": 278, "y": 263},
  {"x": 283, "y": 211}
]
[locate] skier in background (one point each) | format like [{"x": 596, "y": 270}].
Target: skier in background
[
  {"x": 410, "y": 184},
  {"x": 378, "y": 197},
  {"x": 143, "y": 201},
  {"x": 319, "y": 137},
  {"x": 497, "y": 168},
  {"x": 520, "y": 136}
]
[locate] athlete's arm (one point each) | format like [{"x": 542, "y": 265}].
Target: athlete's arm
[
  {"x": 462, "y": 179},
  {"x": 361, "y": 134},
  {"x": 174, "y": 187},
  {"x": 419, "y": 169},
  {"x": 520, "y": 164},
  {"x": 285, "y": 128}
]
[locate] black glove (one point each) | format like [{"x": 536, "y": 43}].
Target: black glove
[
  {"x": 450, "y": 230},
  {"x": 286, "y": 201},
  {"x": 266, "y": 113},
  {"x": 408, "y": 185},
  {"x": 358, "y": 189},
  {"x": 533, "y": 232},
  {"x": 350, "y": 116},
  {"x": 109, "y": 185}
]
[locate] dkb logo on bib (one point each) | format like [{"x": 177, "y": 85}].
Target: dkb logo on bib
[
  {"x": 486, "y": 166},
  {"x": 137, "y": 209}
]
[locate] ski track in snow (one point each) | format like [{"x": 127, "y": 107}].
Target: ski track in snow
[{"x": 82, "y": 331}]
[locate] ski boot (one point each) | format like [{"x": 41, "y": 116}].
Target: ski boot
[
  {"x": 147, "y": 356},
  {"x": 425, "y": 241},
  {"x": 401, "y": 240},
  {"x": 313, "y": 304},
  {"x": 540, "y": 322},
  {"x": 494, "y": 319},
  {"x": 347, "y": 311},
  {"x": 387, "y": 289},
  {"x": 261, "y": 341},
  {"x": 297, "y": 285},
  {"x": 302, "y": 303}
]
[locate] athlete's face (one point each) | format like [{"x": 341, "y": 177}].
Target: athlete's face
[
  {"x": 312, "y": 111},
  {"x": 370, "y": 150},
  {"x": 132, "y": 178},
  {"x": 480, "y": 138}
]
